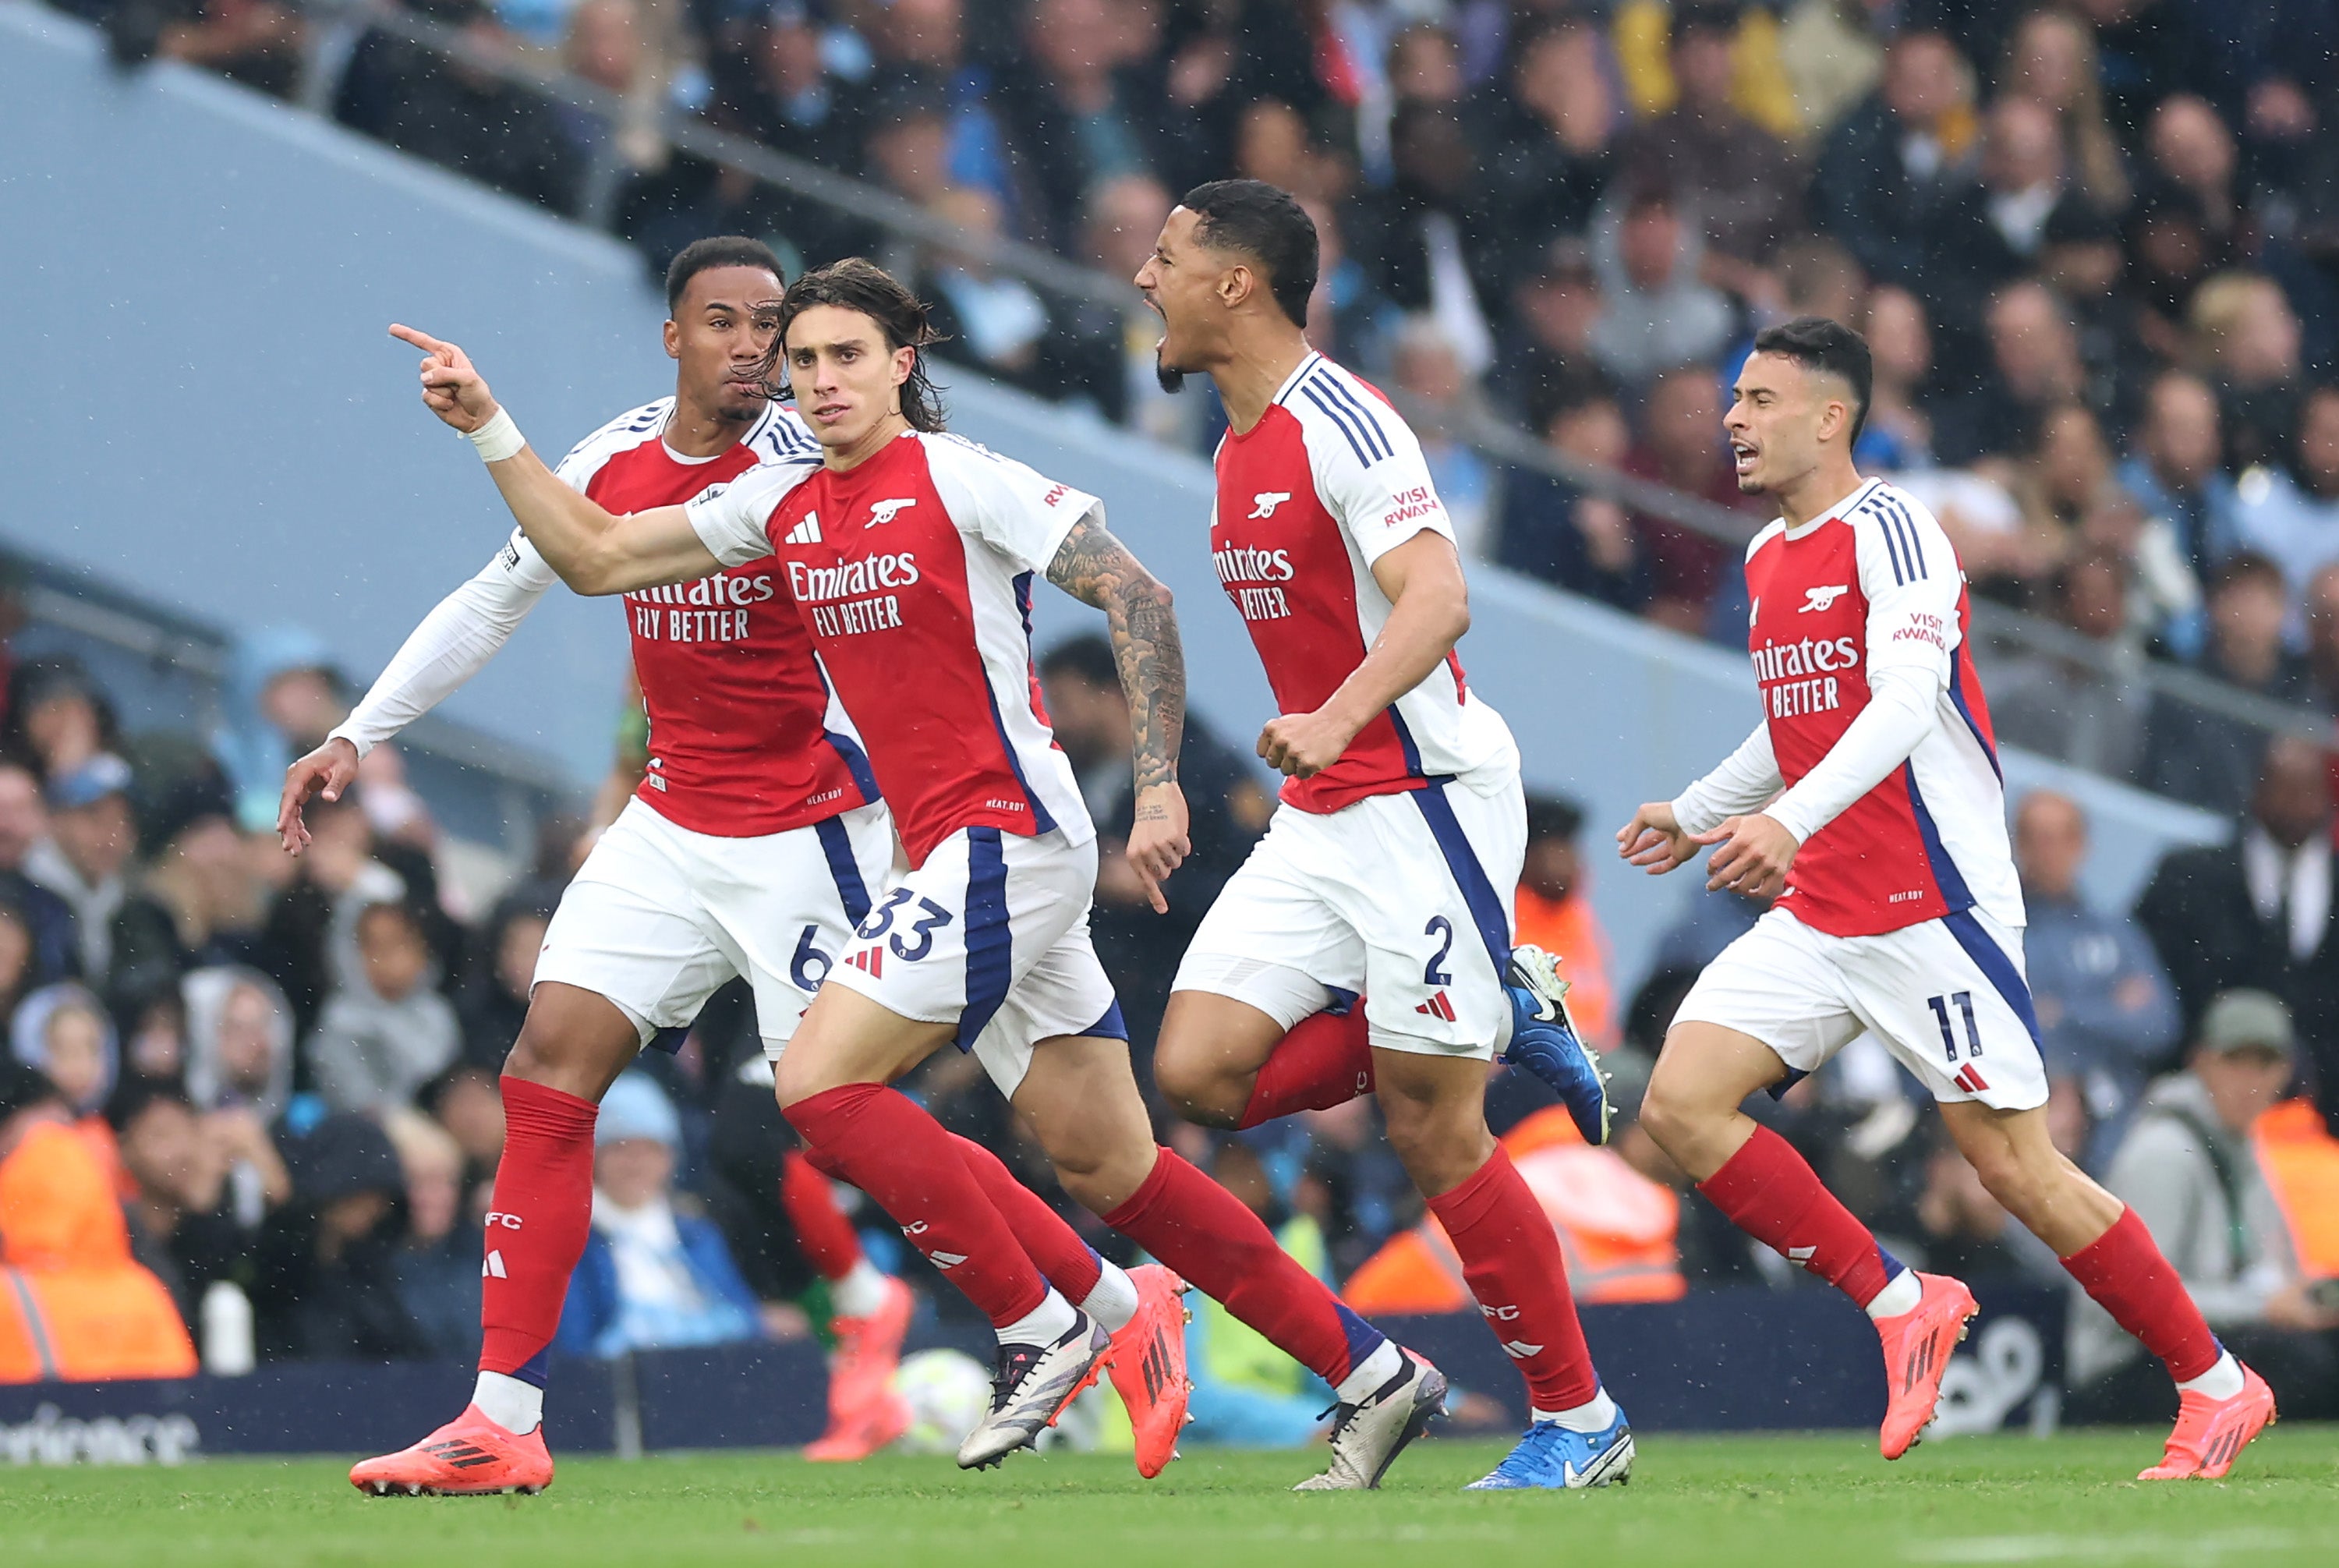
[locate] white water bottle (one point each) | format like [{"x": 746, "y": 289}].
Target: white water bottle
[{"x": 226, "y": 1314}]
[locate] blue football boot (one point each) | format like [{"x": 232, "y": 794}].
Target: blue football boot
[
  {"x": 1544, "y": 1042},
  {"x": 1555, "y": 1459}
]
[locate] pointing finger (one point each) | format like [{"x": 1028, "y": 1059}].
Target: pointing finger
[{"x": 422, "y": 341}]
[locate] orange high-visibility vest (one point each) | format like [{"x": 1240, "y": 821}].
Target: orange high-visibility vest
[
  {"x": 1617, "y": 1229},
  {"x": 2301, "y": 1161},
  {"x": 73, "y": 1304},
  {"x": 1569, "y": 929}
]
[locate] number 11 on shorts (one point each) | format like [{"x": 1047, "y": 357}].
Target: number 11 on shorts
[{"x": 1963, "y": 1001}]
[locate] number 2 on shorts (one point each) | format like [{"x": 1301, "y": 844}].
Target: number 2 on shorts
[{"x": 1435, "y": 972}]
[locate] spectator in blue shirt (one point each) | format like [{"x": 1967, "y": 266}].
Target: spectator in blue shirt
[
  {"x": 2105, "y": 1009},
  {"x": 2293, "y": 517},
  {"x": 2173, "y": 472},
  {"x": 653, "y": 1274}
]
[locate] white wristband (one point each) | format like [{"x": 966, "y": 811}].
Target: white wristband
[{"x": 498, "y": 439}]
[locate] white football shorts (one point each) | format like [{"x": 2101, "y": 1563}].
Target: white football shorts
[
  {"x": 991, "y": 933},
  {"x": 1404, "y": 898},
  {"x": 658, "y": 916},
  {"x": 1947, "y": 997}
]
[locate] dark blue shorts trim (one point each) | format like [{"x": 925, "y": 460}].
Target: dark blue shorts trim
[{"x": 990, "y": 944}]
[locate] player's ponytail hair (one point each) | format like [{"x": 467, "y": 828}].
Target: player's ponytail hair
[{"x": 859, "y": 284}]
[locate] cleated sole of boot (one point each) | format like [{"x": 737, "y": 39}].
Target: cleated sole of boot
[{"x": 417, "y": 1489}]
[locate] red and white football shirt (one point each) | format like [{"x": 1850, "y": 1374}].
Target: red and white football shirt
[
  {"x": 1872, "y": 585},
  {"x": 744, "y": 738},
  {"x": 1328, "y": 481},
  {"x": 912, "y": 573}
]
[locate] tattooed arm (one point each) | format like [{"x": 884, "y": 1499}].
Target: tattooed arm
[{"x": 1098, "y": 569}]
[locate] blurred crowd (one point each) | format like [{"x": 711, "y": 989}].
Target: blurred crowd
[{"x": 2091, "y": 241}]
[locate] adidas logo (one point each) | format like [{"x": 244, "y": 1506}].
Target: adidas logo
[
  {"x": 1519, "y": 1349},
  {"x": 459, "y": 1453},
  {"x": 1923, "y": 1357},
  {"x": 1969, "y": 1081},
  {"x": 1156, "y": 1367},
  {"x": 869, "y": 961},
  {"x": 804, "y": 533},
  {"x": 493, "y": 1268},
  {"x": 1802, "y": 1255},
  {"x": 946, "y": 1261},
  {"x": 1438, "y": 1006}
]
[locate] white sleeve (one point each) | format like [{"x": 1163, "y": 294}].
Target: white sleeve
[
  {"x": 1015, "y": 509},
  {"x": 730, "y": 519},
  {"x": 1369, "y": 471},
  {"x": 1746, "y": 778},
  {"x": 453, "y": 643},
  {"x": 1910, "y": 578}
]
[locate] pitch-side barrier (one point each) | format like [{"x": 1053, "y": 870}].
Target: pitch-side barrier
[{"x": 1734, "y": 1360}]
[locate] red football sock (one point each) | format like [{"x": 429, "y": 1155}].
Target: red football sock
[
  {"x": 1773, "y": 1195},
  {"x": 880, "y": 1140},
  {"x": 823, "y": 1233},
  {"x": 541, "y": 1215},
  {"x": 1070, "y": 1265},
  {"x": 1225, "y": 1251},
  {"x": 1511, "y": 1261},
  {"x": 2126, "y": 1272},
  {"x": 1326, "y": 1060}
]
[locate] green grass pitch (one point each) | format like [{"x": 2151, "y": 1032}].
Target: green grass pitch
[{"x": 1735, "y": 1503}]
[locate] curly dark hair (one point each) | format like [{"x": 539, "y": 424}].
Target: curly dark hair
[
  {"x": 718, "y": 251},
  {"x": 857, "y": 283}
]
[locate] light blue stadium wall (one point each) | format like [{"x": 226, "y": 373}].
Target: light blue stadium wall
[{"x": 199, "y": 402}]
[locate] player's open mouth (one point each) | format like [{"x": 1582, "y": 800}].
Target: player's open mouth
[
  {"x": 1743, "y": 456},
  {"x": 831, "y": 410}
]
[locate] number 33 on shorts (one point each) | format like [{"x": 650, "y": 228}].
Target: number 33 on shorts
[{"x": 902, "y": 927}]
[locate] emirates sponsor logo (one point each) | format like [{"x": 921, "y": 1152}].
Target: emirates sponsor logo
[
  {"x": 1241, "y": 564},
  {"x": 1809, "y": 656},
  {"x": 1796, "y": 677},
  {"x": 723, "y": 590},
  {"x": 848, "y": 579}
]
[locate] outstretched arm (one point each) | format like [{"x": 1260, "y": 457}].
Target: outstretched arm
[
  {"x": 1429, "y": 609},
  {"x": 1097, "y": 569},
  {"x": 594, "y": 550}
]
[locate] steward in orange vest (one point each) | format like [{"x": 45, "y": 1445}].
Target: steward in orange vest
[
  {"x": 73, "y": 1304},
  {"x": 1616, "y": 1228}
]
